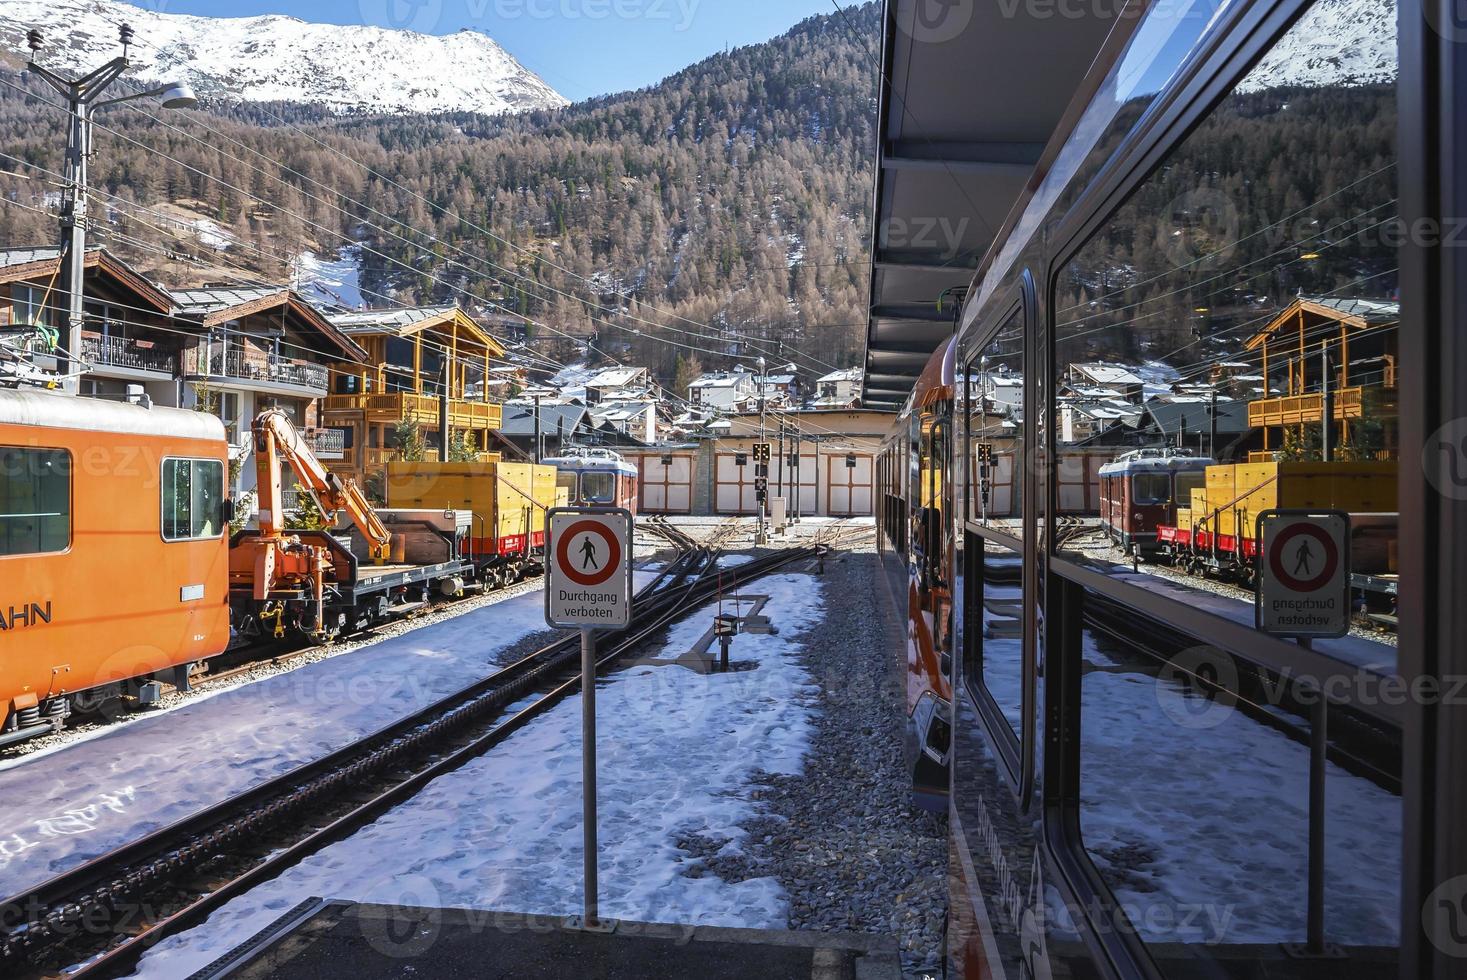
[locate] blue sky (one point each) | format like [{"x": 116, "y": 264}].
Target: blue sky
[{"x": 581, "y": 47}]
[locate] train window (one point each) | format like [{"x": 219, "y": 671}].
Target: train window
[
  {"x": 1195, "y": 778},
  {"x": 567, "y": 479},
  {"x": 1239, "y": 314},
  {"x": 1151, "y": 488},
  {"x": 993, "y": 646},
  {"x": 598, "y": 488},
  {"x": 193, "y": 492},
  {"x": 1234, "y": 325},
  {"x": 35, "y": 500},
  {"x": 995, "y": 410}
]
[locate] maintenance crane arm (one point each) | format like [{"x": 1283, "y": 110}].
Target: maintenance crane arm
[{"x": 277, "y": 440}]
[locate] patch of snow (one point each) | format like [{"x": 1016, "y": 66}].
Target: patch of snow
[
  {"x": 330, "y": 282},
  {"x": 1336, "y": 43},
  {"x": 348, "y": 68},
  {"x": 676, "y": 752}
]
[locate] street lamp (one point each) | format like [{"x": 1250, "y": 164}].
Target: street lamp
[
  {"x": 760, "y": 537},
  {"x": 83, "y": 98}
]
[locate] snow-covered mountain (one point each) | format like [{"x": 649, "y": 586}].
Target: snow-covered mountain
[
  {"x": 1335, "y": 43},
  {"x": 349, "y": 69}
]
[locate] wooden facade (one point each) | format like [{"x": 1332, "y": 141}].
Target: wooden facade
[{"x": 412, "y": 358}]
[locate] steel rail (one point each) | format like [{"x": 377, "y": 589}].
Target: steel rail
[
  {"x": 125, "y": 956},
  {"x": 33, "y": 918}
]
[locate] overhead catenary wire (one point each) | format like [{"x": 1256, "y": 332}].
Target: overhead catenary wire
[{"x": 411, "y": 269}]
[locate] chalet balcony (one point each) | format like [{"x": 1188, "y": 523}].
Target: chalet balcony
[
  {"x": 246, "y": 367},
  {"x": 327, "y": 444},
  {"x": 388, "y": 408},
  {"x": 129, "y": 354},
  {"x": 1304, "y": 409}
]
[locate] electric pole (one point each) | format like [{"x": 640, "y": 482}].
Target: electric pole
[{"x": 83, "y": 98}]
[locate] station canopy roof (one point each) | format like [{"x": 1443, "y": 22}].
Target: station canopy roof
[{"x": 971, "y": 94}]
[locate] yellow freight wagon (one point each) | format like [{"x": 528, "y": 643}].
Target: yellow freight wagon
[{"x": 508, "y": 502}]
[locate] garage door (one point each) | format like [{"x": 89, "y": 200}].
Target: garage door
[
  {"x": 849, "y": 480},
  {"x": 733, "y": 485},
  {"x": 667, "y": 484},
  {"x": 807, "y": 496}
]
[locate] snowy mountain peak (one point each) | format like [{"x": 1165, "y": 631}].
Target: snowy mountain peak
[{"x": 352, "y": 69}]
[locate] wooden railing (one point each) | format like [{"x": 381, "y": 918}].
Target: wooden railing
[
  {"x": 421, "y": 408},
  {"x": 1303, "y": 409}
]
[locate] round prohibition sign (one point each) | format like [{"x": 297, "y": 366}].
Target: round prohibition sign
[
  {"x": 608, "y": 566},
  {"x": 1329, "y": 554}
]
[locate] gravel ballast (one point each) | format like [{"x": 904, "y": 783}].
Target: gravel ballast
[{"x": 843, "y": 838}]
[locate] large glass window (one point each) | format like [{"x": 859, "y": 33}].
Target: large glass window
[
  {"x": 598, "y": 488},
  {"x": 35, "y": 500},
  {"x": 27, "y": 305},
  {"x": 1243, "y": 306},
  {"x": 193, "y": 490},
  {"x": 995, "y": 380}
]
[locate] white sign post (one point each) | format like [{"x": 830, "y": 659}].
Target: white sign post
[
  {"x": 588, "y": 585},
  {"x": 1304, "y": 573}
]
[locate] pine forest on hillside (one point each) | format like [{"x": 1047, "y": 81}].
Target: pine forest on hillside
[{"x": 729, "y": 201}]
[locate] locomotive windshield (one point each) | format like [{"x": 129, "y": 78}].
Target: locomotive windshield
[
  {"x": 1187, "y": 481},
  {"x": 598, "y": 488},
  {"x": 1151, "y": 488}
]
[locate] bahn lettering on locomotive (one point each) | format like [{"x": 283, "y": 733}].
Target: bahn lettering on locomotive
[{"x": 25, "y": 615}]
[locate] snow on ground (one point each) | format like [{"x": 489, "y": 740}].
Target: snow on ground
[
  {"x": 99, "y": 793},
  {"x": 1184, "y": 809},
  {"x": 330, "y": 282},
  {"x": 83, "y": 798},
  {"x": 676, "y": 752}
]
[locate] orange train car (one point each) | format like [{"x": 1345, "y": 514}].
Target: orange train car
[{"x": 114, "y": 558}]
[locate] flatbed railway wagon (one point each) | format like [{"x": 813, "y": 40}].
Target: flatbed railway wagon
[
  {"x": 1215, "y": 532},
  {"x": 508, "y": 502},
  {"x": 114, "y": 560}
]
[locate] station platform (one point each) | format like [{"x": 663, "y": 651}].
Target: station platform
[{"x": 324, "y": 939}]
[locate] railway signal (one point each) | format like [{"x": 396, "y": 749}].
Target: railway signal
[
  {"x": 762, "y": 453},
  {"x": 588, "y": 585}
]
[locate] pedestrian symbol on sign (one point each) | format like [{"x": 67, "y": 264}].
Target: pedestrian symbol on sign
[
  {"x": 588, "y": 554},
  {"x": 1302, "y": 558}
]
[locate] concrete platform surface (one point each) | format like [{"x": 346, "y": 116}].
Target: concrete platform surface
[{"x": 338, "y": 940}]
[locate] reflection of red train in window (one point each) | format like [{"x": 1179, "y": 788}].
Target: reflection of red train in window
[
  {"x": 596, "y": 478},
  {"x": 1142, "y": 489}
]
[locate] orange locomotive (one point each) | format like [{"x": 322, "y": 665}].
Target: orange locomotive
[{"x": 114, "y": 560}]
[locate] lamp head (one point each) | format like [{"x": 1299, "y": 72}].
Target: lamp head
[{"x": 178, "y": 95}]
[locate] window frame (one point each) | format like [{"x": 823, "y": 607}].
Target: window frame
[
  {"x": 163, "y": 500},
  {"x": 1207, "y": 79},
  {"x": 70, "y": 501},
  {"x": 1015, "y": 750}
]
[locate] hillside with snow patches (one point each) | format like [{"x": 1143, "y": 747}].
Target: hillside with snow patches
[
  {"x": 1335, "y": 43},
  {"x": 352, "y": 69}
]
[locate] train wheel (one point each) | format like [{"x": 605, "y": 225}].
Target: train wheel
[{"x": 105, "y": 701}]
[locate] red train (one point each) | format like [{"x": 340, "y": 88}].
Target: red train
[{"x": 1142, "y": 490}]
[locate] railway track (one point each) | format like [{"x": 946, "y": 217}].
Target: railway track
[{"x": 106, "y": 913}]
